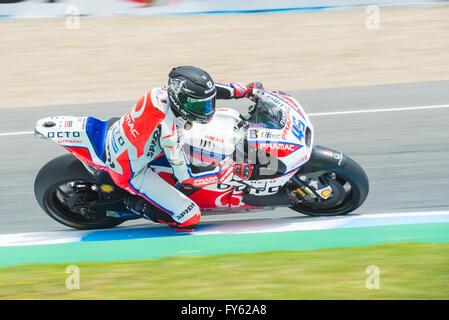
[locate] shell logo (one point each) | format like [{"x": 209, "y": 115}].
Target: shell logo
[
  {"x": 325, "y": 193},
  {"x": 106, "y": 188}
]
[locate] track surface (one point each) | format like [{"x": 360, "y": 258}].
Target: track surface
[{"x": 405, "y": 153}]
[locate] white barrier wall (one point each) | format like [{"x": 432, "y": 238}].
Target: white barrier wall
[{"x": 46, "y": 8}]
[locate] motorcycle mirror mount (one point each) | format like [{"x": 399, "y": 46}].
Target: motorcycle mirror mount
[
  {"x": 188, "y": 125},
  {"x": 249, "y": 114},
  {"x": 252, "y": 109}
]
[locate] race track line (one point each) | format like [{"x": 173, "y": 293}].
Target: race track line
[
  {"x": 300, "y": 233},
  {"x": 321, "y": 114},
  {"x": 379, "y": 110},
  {"x": 15, "y": 133}
]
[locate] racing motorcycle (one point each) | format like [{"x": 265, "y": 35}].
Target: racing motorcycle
[{"x": 275, "y": 135}]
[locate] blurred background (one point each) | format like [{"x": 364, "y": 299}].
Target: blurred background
[{"x": 114, "y": 50}]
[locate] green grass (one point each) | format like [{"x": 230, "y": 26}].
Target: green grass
[{"x": 407, "y": 271}]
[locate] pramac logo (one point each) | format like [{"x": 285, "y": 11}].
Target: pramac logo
[{"x": 278, "y": 149}]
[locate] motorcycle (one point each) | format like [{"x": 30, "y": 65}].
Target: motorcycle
[{"x": 276, "y": 136}]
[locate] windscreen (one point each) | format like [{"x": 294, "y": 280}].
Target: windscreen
[{"x": 268, "y": 115}]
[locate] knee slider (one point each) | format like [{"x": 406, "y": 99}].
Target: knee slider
[{"x": 189, "y": 225}]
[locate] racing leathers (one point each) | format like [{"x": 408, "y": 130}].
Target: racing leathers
[{"x": 149, "y": 130}]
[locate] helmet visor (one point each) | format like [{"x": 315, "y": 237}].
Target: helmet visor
[{"x": 202, "y": 109}]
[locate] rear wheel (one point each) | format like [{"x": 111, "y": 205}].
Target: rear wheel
[{"x": 62, "y": 186}]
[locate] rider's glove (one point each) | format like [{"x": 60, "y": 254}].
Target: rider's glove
[
  {"x": 242, "y": 90},
  {"x": 254, "y": 85}
]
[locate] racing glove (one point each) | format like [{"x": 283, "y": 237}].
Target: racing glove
[{"x": 242, "y": 90}]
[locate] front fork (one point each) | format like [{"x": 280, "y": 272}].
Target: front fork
[{"x": 309, "y": 187}]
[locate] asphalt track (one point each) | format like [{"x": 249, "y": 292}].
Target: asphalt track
[{"x": 404, "y": 152}]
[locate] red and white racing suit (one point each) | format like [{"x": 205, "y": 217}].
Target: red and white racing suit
[{"x": 147, "y": 132}]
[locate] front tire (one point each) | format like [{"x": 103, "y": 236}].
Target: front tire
[
  {"x": 55, "y": 177},
  {"x": 351, "y": 186}
]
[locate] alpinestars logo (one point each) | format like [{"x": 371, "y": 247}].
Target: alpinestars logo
[{"x": 135, "y": 113}]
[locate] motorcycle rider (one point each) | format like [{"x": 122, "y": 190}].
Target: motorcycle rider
[{"x": 154, "y": 127}]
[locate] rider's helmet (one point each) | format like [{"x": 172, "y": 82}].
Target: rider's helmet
[{"x": 191, "y": 94}]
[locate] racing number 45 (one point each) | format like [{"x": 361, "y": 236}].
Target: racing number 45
[{"x": 298, "y": 128}]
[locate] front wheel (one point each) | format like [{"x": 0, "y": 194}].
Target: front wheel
[
  {"x": 348, "y": 181},
  {"x": 64, "y": 182}
]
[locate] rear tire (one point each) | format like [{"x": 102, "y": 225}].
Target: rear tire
[{"x": 59, "y": 172}]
